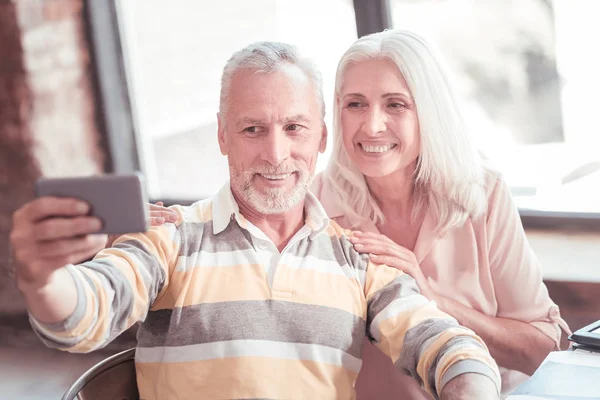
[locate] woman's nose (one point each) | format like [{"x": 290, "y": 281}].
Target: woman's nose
[{"x": 375, "y": 121}]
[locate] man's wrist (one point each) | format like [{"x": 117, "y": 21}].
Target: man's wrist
[
  {"x": 470, "y": 386},
  {"x": 31, "y": 286}
]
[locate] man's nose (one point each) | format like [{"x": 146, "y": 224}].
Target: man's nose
[
  {"x": 375, "y": 121},
  {"x": 276, "y": 147}
]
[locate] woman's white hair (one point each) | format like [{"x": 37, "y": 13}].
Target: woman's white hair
[
  {"x": 268, "y": 57},
  {"x": 449, "y": 177}
]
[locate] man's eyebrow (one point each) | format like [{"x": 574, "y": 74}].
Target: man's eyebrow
[
  {"x": 295, "y": 118},
  {"x": 247, "y": 121}
]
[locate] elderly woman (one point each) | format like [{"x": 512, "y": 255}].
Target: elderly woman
[{"x": 405, "y": 174}]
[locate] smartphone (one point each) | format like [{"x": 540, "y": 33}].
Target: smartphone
[{"x": 120, "y": 201}]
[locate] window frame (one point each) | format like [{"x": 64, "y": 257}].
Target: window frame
[{"x": 120, "y": 130}]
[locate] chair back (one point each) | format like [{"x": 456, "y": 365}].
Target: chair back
[{"x": 113, "y": 378}]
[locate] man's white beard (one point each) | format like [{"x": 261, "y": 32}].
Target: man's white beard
[{"x": 271, "y": 200}]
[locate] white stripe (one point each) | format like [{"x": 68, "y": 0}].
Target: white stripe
[
  {"x": 218, "y": 259},
  {"x": 248, "y": 348},
  {"x": 451, "y": 352},
  {"x": 362, "y": 277},
  {"x": 394, "y": 308},
  {"x": 316, "y": 264}
]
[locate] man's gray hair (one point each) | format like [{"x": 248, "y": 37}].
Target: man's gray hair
[{"x": 268, "y": 57}]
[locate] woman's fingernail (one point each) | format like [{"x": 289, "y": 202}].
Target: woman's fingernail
[
  {"x": 373, "y": 255},
  {"x": 358, "y": 245}
]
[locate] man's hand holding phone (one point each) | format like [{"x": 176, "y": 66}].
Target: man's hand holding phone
[{"x": 49, "y": 233}]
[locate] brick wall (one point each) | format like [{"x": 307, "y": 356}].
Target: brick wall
[{"x": 47, "y": 112}]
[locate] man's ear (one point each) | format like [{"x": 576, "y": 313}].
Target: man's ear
[
  {"x": 323, "y": 144},
  {"x": 221, "y": 134}
]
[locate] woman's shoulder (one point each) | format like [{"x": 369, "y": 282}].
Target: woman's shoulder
[
  {"x": 321, "y": 188},
  {"x": 497, "y": 191}
]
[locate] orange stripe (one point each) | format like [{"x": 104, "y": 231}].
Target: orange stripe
[
  {"x": 215, "y": 284},
  {"x": 248, "y": 377},
  {"x": 131, "y": 270},
  {"x": 329, "y": 290},
  {"x": 378, "y": 276},
  {"x": 97, "y": 334},
  {"x": 249, "y": 282}
]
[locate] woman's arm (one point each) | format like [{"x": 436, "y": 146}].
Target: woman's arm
[{"x": 514, "y": 344}]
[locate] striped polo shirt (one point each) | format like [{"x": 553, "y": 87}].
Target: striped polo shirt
[{"x": 225, "y": 315}]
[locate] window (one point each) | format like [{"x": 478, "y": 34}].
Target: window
[
  {"x": 174, "y": 54},
  {"x": 528, "y": 72}
]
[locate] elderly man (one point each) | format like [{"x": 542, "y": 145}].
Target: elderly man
[{"x": 254, "y": 293}]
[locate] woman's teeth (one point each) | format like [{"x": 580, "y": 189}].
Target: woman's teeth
[{"x": 377, "y": 149}]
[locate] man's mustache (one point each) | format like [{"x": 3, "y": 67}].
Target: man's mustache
[{"x": 280, "y": 169}]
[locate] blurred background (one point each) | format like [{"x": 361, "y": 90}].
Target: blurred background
[{"x": 124, "y": 85}]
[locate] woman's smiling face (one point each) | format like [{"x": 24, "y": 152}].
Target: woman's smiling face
[{"x": 380, "y": 127}]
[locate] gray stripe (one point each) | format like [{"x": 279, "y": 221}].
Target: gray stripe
[
  {"x": 400, "y": 287},
  {"x": 279, "y": 321},
  {"x": 472, "y": 367},
  {"x": 414, "y": 338},
  {"x": 157, "y": 276},
  {"x": 458, "y": 341},
  {"x": 124, "y": 294},
  {"x": 327, "y": 248},
  {"x": 356, "y": 260},
  {"x": 199, "y": 236}
]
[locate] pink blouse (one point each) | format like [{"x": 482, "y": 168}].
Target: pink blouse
[{"x": 485, "y": 264}]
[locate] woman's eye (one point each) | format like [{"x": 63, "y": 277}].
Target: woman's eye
[
  {"x": 251, "y": 129},
  {"x": 396, "y": 105},
  {"x": 354, "y": 104},
  {"x": 293, "y": 127}
]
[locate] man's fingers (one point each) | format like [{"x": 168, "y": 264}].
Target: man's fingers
[
  {"x": 45, "y": 207},
  {"x": 65, "y": 247},
  {"x": 61, "y": 228}
]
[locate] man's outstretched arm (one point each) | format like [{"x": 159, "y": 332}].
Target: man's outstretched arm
[{"x": 423, "y": 341}]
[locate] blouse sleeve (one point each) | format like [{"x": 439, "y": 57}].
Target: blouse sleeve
[{"x": 516, "y": 271}]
